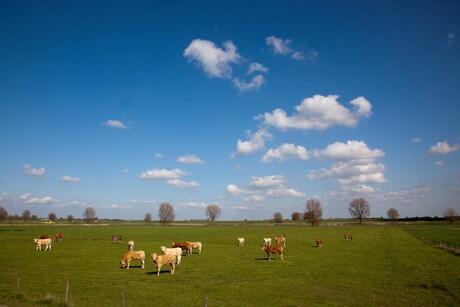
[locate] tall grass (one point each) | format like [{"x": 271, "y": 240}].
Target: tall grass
[{"x": 383, "y": 265}]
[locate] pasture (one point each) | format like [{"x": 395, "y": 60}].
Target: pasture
[{"x": 382, "y": 265}]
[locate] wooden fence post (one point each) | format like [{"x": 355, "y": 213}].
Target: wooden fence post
[
  {"x": 205, "y": 302},
  {"x": 17, "y": 284},
  {"x": 67, "y": 293},
  {"x": 122, "y": 297}
]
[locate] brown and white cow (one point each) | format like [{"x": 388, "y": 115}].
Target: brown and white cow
[
  {"x": 186, "y": 246},
  {"x": 319, "y": 242},
  {"x": 117, "y": 238},
  {"x": 58, "y": 237},
  {"x": 196, "y": 245},
  {"x": 281, "y": 239},
  {"x": 348, "y": 237},
  {"x": 130, "y": 256},
  {"x": 273, "y": 250}
]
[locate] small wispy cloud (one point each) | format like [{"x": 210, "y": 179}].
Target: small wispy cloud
[
  {"x": 190, "y": 159},
  {"x": 32, "y": 171},
  {"x": 451, "y": 38},
  {"x": 70, "y": 179},
  {"x": 284, "y": 47},
  {"x": 115, "y": 123}
]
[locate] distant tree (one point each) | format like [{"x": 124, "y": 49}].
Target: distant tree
[
  {"x": 393, "y": 214},
  {"x": 70, "y": 218},
  {"x": 3, "y": 214},
  {"x": 34, "y": 217},
  {"x": 314, "y": 212},
  {"x": 295, "y": 216},
  {"x": 26, "y": 215},
  {"x": 359, "y": 208},
  {"x": 166, "y": 213},
  {"x": 277, "y": 217},
  {"x": 450, "y": 215},
  {"x": 213, "y": 212},
  {"x": 52, "y": 216},
  {"x": 148, "y": 217},
  {"x": 89, "y": 215}
]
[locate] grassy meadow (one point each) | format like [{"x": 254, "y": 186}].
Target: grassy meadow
[{"x": 383, "y": 265}]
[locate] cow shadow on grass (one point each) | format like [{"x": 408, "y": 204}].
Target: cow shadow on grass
[
  {"x": 132, "y": 267},
  {"x": 161, "y": 272},
  {"x": 258, "y": 259}
]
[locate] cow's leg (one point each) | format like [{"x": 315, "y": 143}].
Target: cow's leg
[
  {"x": 143, "y": 263},
  {"x": 158, "y": 269},
  {"x": 173, "y": 267},
  {"x": 129, "y": 261},
  {"x": 179, "y": 257}
]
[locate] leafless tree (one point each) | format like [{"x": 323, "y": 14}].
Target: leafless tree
[
  {"x": 451, "y": 215},
  {"x": 295, "y": 216},
  {"x": 70, "y": 218},
  {"x": 166, "y": 213},
  {"x": 3, "y": 214},
  {"x": 359, "y": 208},
  {"x": 277, "y": 217},
  {"x": 393, "y": 214},
  {"x": 148, "y": 217},
  {"x": 313, "y": 212},
  {"x": 213, "y": 212},
  {"x": 52, "y": 216},
  {"x": 26, "y": 215},
  {"x": 89, "y": 215}
]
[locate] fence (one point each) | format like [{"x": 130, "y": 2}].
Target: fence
[{"x": 454, "y": 248}]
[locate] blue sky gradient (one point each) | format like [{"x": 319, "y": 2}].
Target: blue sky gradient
[{"x": 256, "y": 106}]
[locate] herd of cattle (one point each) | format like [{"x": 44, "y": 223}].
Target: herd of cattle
[{"x": 172, "y": 255}]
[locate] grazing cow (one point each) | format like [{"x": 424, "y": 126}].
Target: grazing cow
[
  {"x": 348, "y": 237},
  {"x": 267, "y": 241},
  {"x": 117, "y": 238},
  {"x": 160, "y": 260},
  {"x": 44, "y": 237},
  {"x": 319, "y": 242},
  {"x": 58, "y": 237},
  {"x": 184, "y": 245},
  {"x": 129, "y": 256},
  {"x": 273, "y": 250},
  {"x": 40, "y": 242},
  {"x": 240, "y": 241},
  {"x": 281, "y": 239},
  {"x": 130, "y": 246},
  {"x": 176, "y": 251},
  {"x": 196, "y": 245}
]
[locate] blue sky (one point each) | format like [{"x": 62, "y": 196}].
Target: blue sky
[{"x": 256, "y": 106}]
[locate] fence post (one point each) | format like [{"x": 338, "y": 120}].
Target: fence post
[
  {"x": 67, "y": 293},
  {"x": 205, "y": 302},
  {"x": 17, "y": 285},
  {"x": 122, "y": 297}
]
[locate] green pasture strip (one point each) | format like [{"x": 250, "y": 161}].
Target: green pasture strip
[
  {"x": 437, "y": 233},
  {"x": 382, "y": 265}
]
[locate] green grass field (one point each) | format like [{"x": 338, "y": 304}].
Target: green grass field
[{"x": 383, "y": 265}]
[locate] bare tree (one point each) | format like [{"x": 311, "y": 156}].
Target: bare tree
[
  {"x": 148, "y": 217},
  {"x": 70, "y": 218},
  {"x": 313, "y": 212},
  {"x": 89, "y": 215},
  {"x": 3, "y": 214},
  {"x": 52, "y": 216},
  {"x": 213, "y": 212},
  {"x": 451, "y": 215},
  {"x": 295, "y": 216},
  {"x": 26, "y": 215},
  {"x": 393, "y": 214},
  {"x": 359, "y": 208},
  {"x": 166, "y": 213},
  {"x": 277, "y": 217}
]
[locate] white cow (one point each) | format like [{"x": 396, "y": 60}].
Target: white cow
[
  {"x": 40, "y": 242},
  {"x": 130, "y": 246},
  {"x": 176, "y": 251},
  {"x": 240, "y": 241},
  {"x": 267, "y": 241}
]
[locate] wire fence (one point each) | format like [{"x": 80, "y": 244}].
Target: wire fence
[{"x": 452, "y": 247}]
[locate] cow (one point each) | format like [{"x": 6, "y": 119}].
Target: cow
[
  {"x": 40, "y": 242},
  {"x": 161, "y": 260},
  {"x": 319, "y": 242},
  {"x": 281, "y": 239},
  {"x": 117, "y": 238},
  {"x": 348, "y": 237},
  {"x": 240, "y": 241},
  {"x": 196, "y": 245},
  {"x": 184, "y": 245},
  {"x": 267, "y": 241},
  {"x": 130, "y": 246},
  {"x": 273, "y": 250},
  {"x": 176, "y": 251},
  {"x": 44, "y": 237},
  {"x": 129, "y": 256},
  {"x": 58, "y": 237}
]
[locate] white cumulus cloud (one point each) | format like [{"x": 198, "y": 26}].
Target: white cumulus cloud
[
  {"x": 442, "y": 148},
  {"x": 70, "y": 179},
  {"x": 190, "y": 159},
  {"x": 254, "y": 84},
  {"x": 285, "y": 152},
  {"x": 115, "y": 123},
  {"x": 162, "y": 174},
  {"x": 32, "y": 171},
  {"x": 256, "y": 142}
]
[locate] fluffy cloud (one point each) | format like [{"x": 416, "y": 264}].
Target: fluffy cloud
[
  {"x": 183, "y": 184},
  {"x": 31, "y": 171},
  {"x": 115, "y": 123},
  {"x": 319, "y": 112},
  {"x": 214, "y": 60},
  {"x": 285, "y": 152},
  {"x": 355, "y": 164},
  {"x": 70, "y": 179},
  {"x": 254, "y": 84},
  {"x": 172, "y": 177},
  {"x": 190, "y": 159},
  {"x": 256, "y": 142},
  {"x": 442, "y": 148}
]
